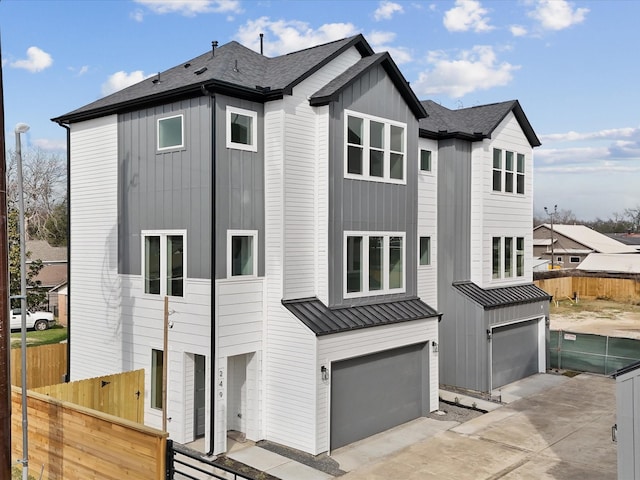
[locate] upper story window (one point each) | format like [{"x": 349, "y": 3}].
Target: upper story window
[
  {"x": 508, "y": 171},
  {"x": 425, "y": 251},
  {"x": 242, "y": 131},
  {"x": 425, "y": 160},
  {"x": 164, "y": 263},
  {"x": 374, "y": 263},
  {"x": 170, "y": 132},
  {"x": 242, "y": 258},
  {"x": 505, "y": 260},
  {"x": 375, "y": 148}
]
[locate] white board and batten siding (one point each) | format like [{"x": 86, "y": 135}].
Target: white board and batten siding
[
  {"x": 427, "y": 224},
  {"x": 94, "y": 284},
  {"x": 496, "y": 214},
  {"x": 342, "y": 346},
  {"x": 190, "y": 334},
  {"x": 305, "y": 183}
]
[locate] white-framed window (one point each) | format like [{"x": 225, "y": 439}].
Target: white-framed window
[
  {"x": 374, "y": 263},
  {"x": 574, "y": 259},
  {"x": 164, "y": 262},
  {"x": 242, "y": 253},
  {"x": 157, "y": 358},
  {"x": 424, "y": 255},
  {"x": 508, "y": 172},
  {"x": 242, "y": 129},
  {"x": 425, "y": 160},
  {"x": 375, "y": 148},
  {"x": 505, "y": 259},
  {"x": 170, "y": 132}
]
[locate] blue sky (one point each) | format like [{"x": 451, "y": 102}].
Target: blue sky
[{"x": 573, "y": 65}]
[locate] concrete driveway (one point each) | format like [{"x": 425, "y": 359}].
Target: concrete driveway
[{"x": 563, "y": 432}]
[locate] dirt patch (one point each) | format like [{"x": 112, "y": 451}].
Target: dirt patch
[
  {"x": 601, "y": 317},
  {"x": 454, "y": 413}
]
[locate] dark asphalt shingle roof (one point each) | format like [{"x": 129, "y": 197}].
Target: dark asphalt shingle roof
[
  {"x": 490, "y": 298},
  {"x": 322, "y": 320},
  {"x": 474, "y": 123},
  {"x": 238, "y": 70}
]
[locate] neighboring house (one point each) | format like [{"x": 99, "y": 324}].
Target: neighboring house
[
  {"x": 631, "y": 239},
  {"x": 494, "y": 319},
  {"x": 54, "y": 269},
  {"x": 569, "y": 245},
  {"x": 611, "y": 263},
  {"x": 277, "y": 203}
]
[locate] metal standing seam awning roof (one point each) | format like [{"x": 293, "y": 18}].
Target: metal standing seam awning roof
[
  {"x": 322, "y": 320},
  {"x": 490, "y": 298}
]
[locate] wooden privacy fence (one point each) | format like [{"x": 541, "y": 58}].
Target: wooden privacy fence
[
  {"x": 76, "y": 443},
  {"x": 619, "y": 289},
  {"x": 46, "y": 365},
  {"x": 121, "y": 394}
]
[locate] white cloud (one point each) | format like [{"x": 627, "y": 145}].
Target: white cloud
[
  {"x": 557, "y": 14},
  {"x": 190, "y": 8},
  {"x": 36, "y": 61},
  {"x": 284, "y": 36},
  {"x": 386, "y": 9},
  {"x": 518, "y": 30},
  {"x": 467, "y": 15},
  {"x": 120, "y": 80},
  {"x": 380, "y": 43},
  {"x": 79, "y": 71},
  {"x": 475, "y": 69},
  {"x": 606, "y": 134},
  {"x": 50, "y": 145},
  {"x": 137, "y": 15}
]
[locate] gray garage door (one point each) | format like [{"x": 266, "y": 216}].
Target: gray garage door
[
  {"x": 373, "y": 393},
  {"x": 514, "y": 352}
]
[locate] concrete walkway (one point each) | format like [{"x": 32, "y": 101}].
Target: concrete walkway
[
  {"x": 561, "y": 432},
  {"x": 547, "y": 427}
]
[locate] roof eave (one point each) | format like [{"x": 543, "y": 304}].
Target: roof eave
[{"x": 446, "y": 134}]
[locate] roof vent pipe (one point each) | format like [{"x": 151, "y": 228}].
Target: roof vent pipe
[
  {"x": 261, "y": 44},
  {"x": 214, "y": 45}
]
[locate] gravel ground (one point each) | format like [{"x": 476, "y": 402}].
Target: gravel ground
[{"x": 454, "y": 413}]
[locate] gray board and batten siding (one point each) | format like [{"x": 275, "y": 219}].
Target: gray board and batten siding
[
  {"x": 172, "y": 189},
  {"x": 367, "y": 206}
]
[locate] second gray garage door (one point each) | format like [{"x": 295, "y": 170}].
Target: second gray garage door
[
  {"x": 514, "y": 352},
  {"x": 375, "y": 392}
]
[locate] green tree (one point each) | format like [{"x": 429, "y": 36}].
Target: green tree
[
  {"x": 36, "y": 295},
  {"x": 56, "y": 226}
]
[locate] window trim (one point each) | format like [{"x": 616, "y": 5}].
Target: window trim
[
  {"x": 366, "y": 148},
  {"x": 505, "y": 267},
  {"x": 512, "y": 178},
  {"x": 385, "y": 290},
  {"x": 571, "y": 259},
  {"x": 163, "y": 234},
  {"x": 253, "y": 147},
  {"x": 242, "y": 233},
  {"x": 171, "y": 147}
]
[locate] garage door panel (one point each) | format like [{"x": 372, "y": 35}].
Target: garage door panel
[
  {"x": 373, "y": 393},
  {"x": 514, "y": 352}
]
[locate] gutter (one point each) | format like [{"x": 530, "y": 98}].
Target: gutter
[{"x": 67, "y": 376}]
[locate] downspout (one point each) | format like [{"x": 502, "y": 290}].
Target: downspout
[
  {"x": 67, "y": 376},
  {"x": 212, "y": 422}
]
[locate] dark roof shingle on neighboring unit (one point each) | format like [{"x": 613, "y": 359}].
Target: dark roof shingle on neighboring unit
[
  {"x": 490, "y": 298},
  {"x": 322, "y": 320},
  {"x": 474, "y": 123}
]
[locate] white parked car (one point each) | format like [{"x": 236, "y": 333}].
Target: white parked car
[{"x": 36, "y": 320}]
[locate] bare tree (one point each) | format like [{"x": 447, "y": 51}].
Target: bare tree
[
  {"x": 633, "y": 215},
  {"x": 44, "y": 176}
]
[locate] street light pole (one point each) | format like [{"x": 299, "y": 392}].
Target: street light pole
[
  {"x": 555, "y": 210},
  {"x": 23, "y": 128}
]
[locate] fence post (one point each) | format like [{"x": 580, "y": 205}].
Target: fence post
[{"x": 169, "y": 462}]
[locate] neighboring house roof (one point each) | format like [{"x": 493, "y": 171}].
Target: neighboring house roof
[
  {"x": 571, "y": 251},
  {"x": 611, "y": 262},
  {"x": 596, "y": 241},
  {"x": 322, "y": 320},
  {"x": 52, "y": 275},
  {"x": 41, "y": 250},
  {"x": 541, "y": 242},
  {"x": 626, "y": 238},
  {"x": 239, "y": 71},
  {"x": 474, "y": 123},
  {"x": 490, "y": 298}
]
